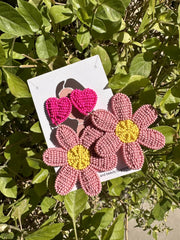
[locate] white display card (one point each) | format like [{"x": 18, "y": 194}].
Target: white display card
[{"x": 88, "y": 73}]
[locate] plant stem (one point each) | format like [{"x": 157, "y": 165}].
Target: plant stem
[
  {"x": 163, "y": 189},
  {"x": 75, "y": 230}
]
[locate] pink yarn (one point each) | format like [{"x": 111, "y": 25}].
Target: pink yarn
[
  {"x": 84, "y": 100},
  {"x": 58, "y": 109},
  {"x": 131, "y": 152},
  {"x": 67, "y": 175}
]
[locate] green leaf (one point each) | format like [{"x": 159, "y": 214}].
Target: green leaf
[
  {"x": 0, "y": 77},
  {"x": 112, "y": 10},
  {"x": 127, "y": 84},
  {"x": 152, "y": 44},
  {"x": 168, "y": 132},
  {"x": 3, "y": 218},
  {"x": 36, "y": 128},
  {"x": 12, "y": 22},
  {"x": 116, "y": 186},
  {"x": 75, "y": 203},
  {"x": 99, "y": 26},
  {"x": 47, "y": 203},
  {"x": 34, "y": 163},
  {"x": 102, "y": 219},
  {"x": 20, "y": 209},
  {"x": 146, "y": 21},
  {"x": 116, "y": 231},
  {"x": 148, "y": 95},
  {"x": 161, "y": 208},
  {"x": 83, "y": 38},
  {"x": 105, "y": 59},
  {"x": 140, "y": 65},
  {"x": 173, "y": 52},
  {"x": 8, "y": 235},
  {"x": 46, "y": 233},
  {"x": 176, "y": 154},
  {"x": 17, "y": 86},
  {"x": 84, "y": 16},
  {"x": 31, "y": 14},
  {"x": 124, "y": 37},
  {"x": 40, "y": 176},
  {"x": 2, "y": 56},
  {"x": 178, "y": 18},
  {"x": 109, "y": 11},
  {"x": 7, "y": 185},
  {"x": 46, "y": 46},
  {"x": 61, "y": 14},
  {"x": 171, "y": 99},
  {"x": 3, "y": 227}
]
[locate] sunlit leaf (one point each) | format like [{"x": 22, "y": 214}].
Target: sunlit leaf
[
  {"x": 61, "y": 14},
  {"x": 98, "y": 50},
  {"x": 40, "y": 176},
  {"x": 46, "y": 233},
  {"x": 47, "y": 203},
  {"x": 83, "y": 37},
  {"x": 168, "y": 132},
  {"x": 12, "y": 22},
  {"x": 20, "y": 209},
  {"x": 46, "y": 47},
  {"x": 36, "y": 128},
  {"x": 141, "y": 65},
  {"x": 116, "y": 231},
  {"x": 128, "y": 84},
  {"x": 31, "y": 14},
  {"x": 16, "y": 85},
  {"x": 75, "y": 203},
  {"x": 2, "y": 56},
  {"x": 8, "y": 186}
]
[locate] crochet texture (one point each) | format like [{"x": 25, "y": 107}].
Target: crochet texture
[
  {"x": 126, "y": 131},
  {"x": 58, "y": 109},
  {"x": 84, "y": 101},
  {"x": 77, "y": 160}
]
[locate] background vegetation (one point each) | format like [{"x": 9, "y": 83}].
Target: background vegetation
[{"x": 138, "y": 42}]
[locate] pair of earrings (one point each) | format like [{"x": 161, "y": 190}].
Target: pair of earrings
[{"x": 58, "y": 109}]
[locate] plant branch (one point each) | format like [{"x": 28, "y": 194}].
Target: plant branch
[{"x": 163, "y": 189}]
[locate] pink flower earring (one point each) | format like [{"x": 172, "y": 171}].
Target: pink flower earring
[{"x": 127, "y": 131}]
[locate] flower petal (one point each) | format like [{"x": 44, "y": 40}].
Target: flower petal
[
  {"x": 66, "y": 179},
  {"x": 89, "y": 136},
  {"x": 132, "y": 155},
  {"x": 107, "y": 144},
  {"x": 104, "y": 163},
  {"x": 66, "y": 137},
  {"x": 90, "y": 181},
  {"x": 145, "y": 116},
  {"x": 121, "y": 106},
  {"x": 104, "y": 120},
  {"x": 55, "y": 157},
  {"x": 151, "y": 138}
]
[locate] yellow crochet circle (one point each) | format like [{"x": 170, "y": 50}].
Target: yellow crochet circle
[
  {"x": 127, "y": 131},
  {"x": 79, "y": 157}
]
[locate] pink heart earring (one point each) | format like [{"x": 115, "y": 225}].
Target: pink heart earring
[
  {"x": 84, "y": 100},
  {"x": 58, "y": 109}
]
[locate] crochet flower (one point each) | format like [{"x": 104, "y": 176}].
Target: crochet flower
[
  {"x": 126, "y": 131},
  {"x": 77, "y": 160}
]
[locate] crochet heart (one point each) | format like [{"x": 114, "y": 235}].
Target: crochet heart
[
  {"x": 84, "y": 101},
  {"x": 58, "y": 109}
]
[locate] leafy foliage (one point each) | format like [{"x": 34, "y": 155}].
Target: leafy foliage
[{"x": 139, "y": 46}]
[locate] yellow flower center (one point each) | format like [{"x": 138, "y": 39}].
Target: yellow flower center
[
  {"x": 127, "y": 131},
  {"x": 78, "y": 157}
]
